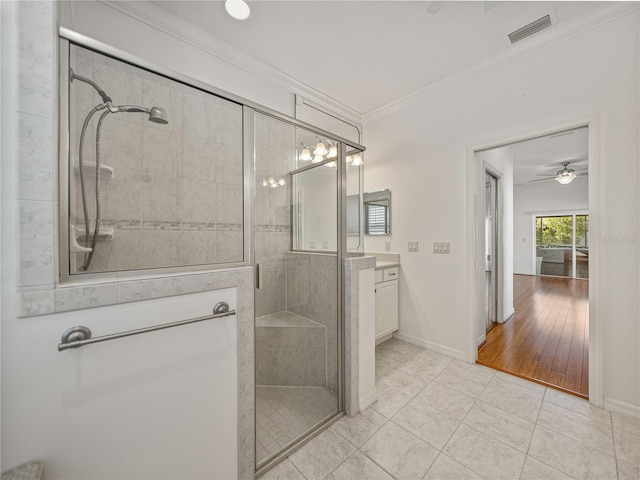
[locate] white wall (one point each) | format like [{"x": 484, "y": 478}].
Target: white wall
[
  {"x": 418, "y": 151},
  {"x": 136, "y": 407},
  {"x": 538, "y": 198}
]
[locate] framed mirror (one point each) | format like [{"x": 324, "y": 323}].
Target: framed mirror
[{"x": 377, "y": 212}]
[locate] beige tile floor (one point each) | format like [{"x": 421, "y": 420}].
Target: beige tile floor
[
  {"x": 439, "y": 418},
  {"x": 285, "y": 413}
]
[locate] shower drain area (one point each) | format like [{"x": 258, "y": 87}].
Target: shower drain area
[{"x": 285, "y": 413}]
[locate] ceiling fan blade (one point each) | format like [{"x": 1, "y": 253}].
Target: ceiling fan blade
[
  {"x": 545, "y": 175},
  {"x": 541, "y": 179},
  {"x": 489, "y": 5},
  {"x": 435, "y": 7}
]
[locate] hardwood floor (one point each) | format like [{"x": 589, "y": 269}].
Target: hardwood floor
[{"x": 547, "y": 340}]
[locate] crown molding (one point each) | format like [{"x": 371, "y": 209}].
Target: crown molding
[
  {"x": 559, "y": 34},
  {"x": 186, "y": 32}
]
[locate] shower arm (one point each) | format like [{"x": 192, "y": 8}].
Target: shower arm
[{"x": 105, "y": 98}]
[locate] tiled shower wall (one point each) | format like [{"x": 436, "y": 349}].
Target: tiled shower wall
[
  {"x": 176, "y": 195},
  {"x": 275, "y": 156},
  {"x": 301, "y": 283},
  {"x": 312, "y": 293}
]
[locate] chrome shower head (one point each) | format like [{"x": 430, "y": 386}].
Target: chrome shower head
[{"x": 156, "y": 114}]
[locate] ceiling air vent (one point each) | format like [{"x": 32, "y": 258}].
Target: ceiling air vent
[{"x": 534, "y": 27}]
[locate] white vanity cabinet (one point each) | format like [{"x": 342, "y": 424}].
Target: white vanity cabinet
[{"x": 386, "y": 288}]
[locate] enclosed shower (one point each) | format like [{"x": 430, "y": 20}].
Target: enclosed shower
[
  {"x": 166, "y": 174},
  {"x": 300, "y": 241},
  {"x": 155, "y": 170},
  {"x": 156, "y": 115}
]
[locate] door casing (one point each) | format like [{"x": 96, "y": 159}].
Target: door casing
[{"x": 475, "y": 176}]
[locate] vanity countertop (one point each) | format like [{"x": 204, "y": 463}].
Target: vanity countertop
[{"x": 382, "y": 264}]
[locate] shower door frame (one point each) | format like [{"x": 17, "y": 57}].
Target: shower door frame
[{"x": 341, "y": 250}]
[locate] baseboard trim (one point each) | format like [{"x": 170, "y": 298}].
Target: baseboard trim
[
  {"x": 509, "y": 317},
  {"x": 434, "y": 347},
  {"x": 623, "y": 408},
  {"x": 368, "y": 400}
]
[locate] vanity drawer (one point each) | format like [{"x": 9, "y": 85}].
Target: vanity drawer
[
  {"x": 390, "y": 274},
  {"x": 378, "y": 278}
]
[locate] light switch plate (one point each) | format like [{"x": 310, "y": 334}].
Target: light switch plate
[
  {"x": 441, "y": 247},
  {"x": 413, "y": 246},
  {"x": 387, "y": 246},
  {"x": 325, "y": 244}
]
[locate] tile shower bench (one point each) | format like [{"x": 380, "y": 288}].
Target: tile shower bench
[{"x": 291, "y": 350}]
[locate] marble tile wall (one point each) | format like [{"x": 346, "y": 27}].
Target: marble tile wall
[
  {"x": 275, "y": 156},
  {"x": 176, "y": 195},
  {"x": 291, "y": 356},
  {"x": 312, "y": 293},
  {"x": 35, "y": 146}
]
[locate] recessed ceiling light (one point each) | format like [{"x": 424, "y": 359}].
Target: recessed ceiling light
[{"x": 238, "y": 9}]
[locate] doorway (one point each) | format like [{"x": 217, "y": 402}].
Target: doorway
[{"x": 546, "y": 340}]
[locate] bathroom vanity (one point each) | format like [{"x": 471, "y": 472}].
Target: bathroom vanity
[{"x": 386, "y": 293}]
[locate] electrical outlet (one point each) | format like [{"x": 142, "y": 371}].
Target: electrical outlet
[
  {"x": 325, "y": 244},
  {"x": 413, "y": 246},
  {"x": 441, "y": 247},
  {"x": 387, "y": 246}
]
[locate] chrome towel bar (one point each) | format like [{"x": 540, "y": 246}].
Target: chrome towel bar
[{"x": 78, "y": 336}]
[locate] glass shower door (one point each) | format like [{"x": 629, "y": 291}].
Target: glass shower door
[{"x": 296, "y": 297}]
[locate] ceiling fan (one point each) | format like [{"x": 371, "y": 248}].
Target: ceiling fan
[{"x": 563, "y": 177}]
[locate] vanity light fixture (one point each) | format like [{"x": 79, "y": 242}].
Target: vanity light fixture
[
  {"x": 321, "y": 149},
  {"x": 356, "y": 160},
  {"x": 320, "y": 153},
  {"x": 237, "y": 9},
  {"x": 305, "y": 154},
  {"x": 273, "y": 183}
]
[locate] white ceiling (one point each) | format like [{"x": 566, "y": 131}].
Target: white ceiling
[
  {"x": 544, "y": 156},
  {"x": 366, "y": 54}
]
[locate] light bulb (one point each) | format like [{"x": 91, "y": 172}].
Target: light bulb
[
  {"x": 264, "y": 182},
  {"x": 320, "y": 149},
  {"x": 282, "y": 182},
  {"x": 237, "y": 9},
  {"x": 357, "y": 160},
  {"x": 349, "y": 159},
  {"x": 333, "y": 152},
  {"x": 305, "y": 155},
  {"x": 317, "y": 159},
  {"x": 331, "y": 164}
]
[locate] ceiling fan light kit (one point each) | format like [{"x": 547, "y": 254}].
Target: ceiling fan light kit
[
  {"x": 566, "y": 175},
  {"x": 565, "y": 178}
]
